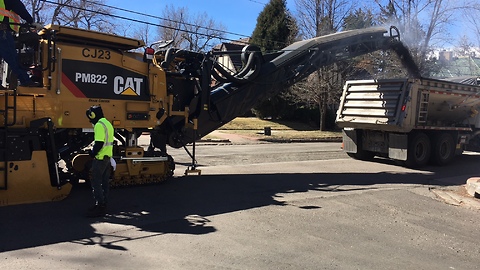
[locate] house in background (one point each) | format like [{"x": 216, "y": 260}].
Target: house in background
[
  {"x": 232, "y": 62},
  {"x": 456, "y": 64}
]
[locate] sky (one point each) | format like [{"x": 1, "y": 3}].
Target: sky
[{"x": 238, "y": 16}]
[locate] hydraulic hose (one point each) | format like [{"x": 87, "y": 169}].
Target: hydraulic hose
[
  {"x": 248, "y": 73},
  {"x": 253, "y": 52}
]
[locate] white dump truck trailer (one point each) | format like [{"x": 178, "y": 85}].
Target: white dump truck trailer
[{"x": 413, "y": 121}]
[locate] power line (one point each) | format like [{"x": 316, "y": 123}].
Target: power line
[
  {"x": 257, "y": 2},
  {"x": 148, "y": 23},
  {"x": 164, "y": 19},
  {"x": 185, "y": 23},
  {"x": 152, "y": 16}
]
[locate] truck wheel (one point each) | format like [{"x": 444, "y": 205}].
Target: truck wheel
[
  {"x": 443, "y": 150},
  {"x": 419, "y": 150}
]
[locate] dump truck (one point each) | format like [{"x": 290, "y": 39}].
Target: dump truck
[
  {"x": 414, "y": 121},
  {"x": 175, "y": 96}
]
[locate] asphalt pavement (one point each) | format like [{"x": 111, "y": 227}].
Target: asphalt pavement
[{"x": 335, "y": 213}]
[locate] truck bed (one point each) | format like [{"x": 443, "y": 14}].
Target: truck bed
[{"x": 404, "y": 104}]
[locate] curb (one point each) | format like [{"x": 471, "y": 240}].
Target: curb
[
  {"x": 473, "y": 186},
  {"x": 457, "y": 197},
  {"x": 214, "y": 141},
  {"x": 332, "y": 139},
  {"x": 275, "y": 140}
]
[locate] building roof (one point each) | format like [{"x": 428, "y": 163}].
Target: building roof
[
  {"x": 234, "y": 46},
  {"x": 459, "y": 67}
]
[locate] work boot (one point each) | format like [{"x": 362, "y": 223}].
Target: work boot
[{"x": 97, "y": 211}]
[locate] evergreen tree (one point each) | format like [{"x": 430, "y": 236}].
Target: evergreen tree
[
  {"x": 275, "y": 29},
  {"x": 360, "y": 67},
  {"x": 358, "y": 19}
]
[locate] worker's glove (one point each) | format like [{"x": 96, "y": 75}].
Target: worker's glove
[
  {"x": 91, "y": 154},
  {"x": 37, "y": 26}
]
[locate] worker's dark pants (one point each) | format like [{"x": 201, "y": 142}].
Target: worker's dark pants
[
  {"x": 9, "y": 55},
  {"x": 100, "y": 178}
]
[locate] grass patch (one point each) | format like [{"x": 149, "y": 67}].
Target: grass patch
[
  {"x": 281, "y": 130},
  {"x": 252, "y": 123}
]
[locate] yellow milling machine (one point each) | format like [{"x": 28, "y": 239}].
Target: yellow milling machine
[{"x": 175, "y": 96}]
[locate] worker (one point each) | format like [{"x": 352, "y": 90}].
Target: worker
[
  {"x": 101, "y": 153},
  {"x": 10, "y": 13}
]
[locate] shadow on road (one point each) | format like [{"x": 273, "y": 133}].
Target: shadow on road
[{"x": 183, "y": 205}]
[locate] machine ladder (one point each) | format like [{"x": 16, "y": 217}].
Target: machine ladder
[
  {"x": 423, "y": 108},
  {"x": 8, "y": 110}
]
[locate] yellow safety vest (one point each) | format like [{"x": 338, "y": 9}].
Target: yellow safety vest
[
  {"x": 12, "y": 16},
  {"x": 103, "y": 132}
]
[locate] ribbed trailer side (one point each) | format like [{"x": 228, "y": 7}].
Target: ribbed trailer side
[{"x": 373, "y": 104}]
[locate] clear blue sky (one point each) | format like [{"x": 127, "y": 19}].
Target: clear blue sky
[{"x": 238, "y": 16}]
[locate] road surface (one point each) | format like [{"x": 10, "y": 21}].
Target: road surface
[{"x": 258, "y": 206}]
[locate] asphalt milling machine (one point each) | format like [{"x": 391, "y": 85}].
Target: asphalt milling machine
[{"x": 176, "y": 96}]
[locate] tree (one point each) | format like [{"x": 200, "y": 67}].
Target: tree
[
  {"x": 318, "y": 18},
  {"x": 192, "y": 32},
  {"x": 358, "y": 19},
  {"x": 37, "y": 9},
  {"x": 423, "y": 24},
  {"x": 142, "y": 32},
  {"x": 464, "y": 46},
  {"x": 472, "y": 15},
  {"x": 86, "y": 14},
  {"x": 360, "y": 67},
  {"x": 275, "y": 29}
]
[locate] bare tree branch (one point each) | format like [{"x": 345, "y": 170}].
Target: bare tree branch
[{"x": 195, "y": 33}]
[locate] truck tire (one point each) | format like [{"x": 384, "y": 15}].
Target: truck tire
[
  {"x": 419, "y": 150},
  {"x": 443, "y": 149}
]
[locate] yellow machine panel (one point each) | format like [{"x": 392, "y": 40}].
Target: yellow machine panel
[{"x": 21, "y": 175}]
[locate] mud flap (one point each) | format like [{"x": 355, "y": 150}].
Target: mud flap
[
  {"x": 29, "y": 182},
  {"x": 350, "y": 143},
  {"x": 398, "y": 145}
]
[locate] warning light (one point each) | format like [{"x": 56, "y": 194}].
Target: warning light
[
  {"x": 149, "y": 52},
  {"x": 138, "y": 116}
]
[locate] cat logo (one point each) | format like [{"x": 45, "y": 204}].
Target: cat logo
[{"x": 127, "y": 86}]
